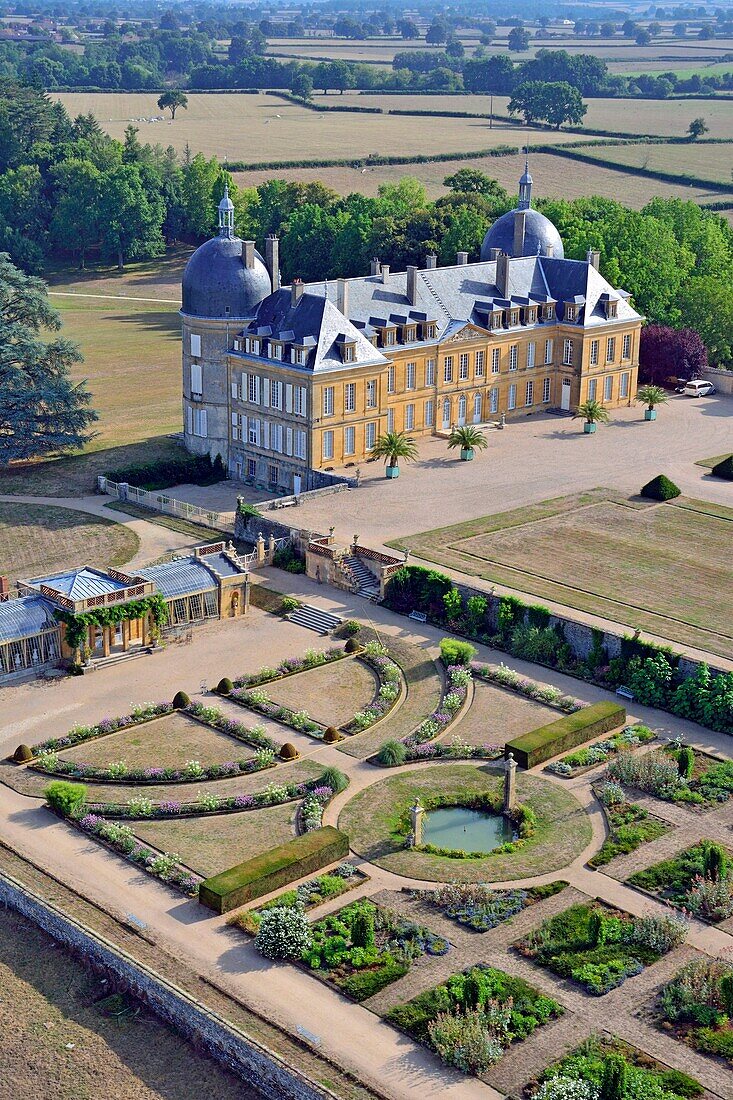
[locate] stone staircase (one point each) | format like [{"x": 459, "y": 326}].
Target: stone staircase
[
  {"x": 366, "y": 583},
  {"x": 313, "y": 618}
]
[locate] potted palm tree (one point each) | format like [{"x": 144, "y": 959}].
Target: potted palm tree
[
  {"x": 593, "y": 412},
  {"x": 469, "y": 439},
  {"x": 392, "y": 446},
  {"x": 651, "y": 396}
]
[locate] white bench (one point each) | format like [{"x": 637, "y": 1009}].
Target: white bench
[
  {"x": 625, "y": 693},
  {"x": 418, "y": 616}
]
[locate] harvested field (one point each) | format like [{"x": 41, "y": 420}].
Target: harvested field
[
  {"x": 711, "y": 162},
  {"x": 165, "y": 743},
  {"x": 61, "y": 1039},
  {"x": 37, "y": 540},
  {"x": 496, "y": 716},
  {"x": 209, "y": 845},
  {"x": 331, "y": 694},
  {"x": 602, "y": 554}
]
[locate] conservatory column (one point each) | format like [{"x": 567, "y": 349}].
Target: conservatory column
[{"x": 105, "y": 641}]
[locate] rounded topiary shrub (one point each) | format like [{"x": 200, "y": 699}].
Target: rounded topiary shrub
[
  {"x": 224, "y": 686},
  {"x": 284, "y": 933},
  {"x": 724, "y": 468},
  {"x": 352, "y": 646},
  {"x": 350, "y": 628},
  {"x": 660, "y": 488},
  {"x": 288, "y": 752},
  {"x": 180, "y": 700},
  {"x": 331, "y": 736},
  {"x": 21, "y": 754}
]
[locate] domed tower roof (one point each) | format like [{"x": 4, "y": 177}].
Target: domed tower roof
[
  {"x": 226, "y": 277},
  {"x": 537, "y": 234}
]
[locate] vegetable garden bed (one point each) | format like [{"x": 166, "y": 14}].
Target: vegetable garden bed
[{"x": 698, "y": 879}]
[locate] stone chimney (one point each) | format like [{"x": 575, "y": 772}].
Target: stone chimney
[
  {"x": 248, "y": 253},
  {"x": 296, "y": 292},
  {"x": 4, "y": 589},
  {"x": 374, "y": 267},
  {"x": 431, "y": 261},
  {"x": 412, "y": 285},
  {"x": 549, "y": 251},
  {"x": 342, "y": 296},
  {"x": 494, "y": 253},
  {"x": 461, "y": 259},
  {"x": 593, "y": 257},
  {"x": 520, "y": 217},
  {"x": 385, "y": 273},
  {"x": 502, "y": 274},
  {"x": 272, "y": 260}
]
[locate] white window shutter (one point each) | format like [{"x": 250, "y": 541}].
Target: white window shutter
[
  {"x": 243, "y": 428},
  {"x": 189, "y": 420},
  {"x": 280, "y": 438},
  {"x": 204, "y": 426},
  {"x": 258, "y": 388},
  {"x": 266, "y": 392},
  {"x": 235, "y": 391},
  {"x": 258, "y": 432},
  {"x": 288, "y": 397},
  {"x": 245, "y": 391},
  {"x": 196, "y": 378},
  {"x": 195, "y": 344},
  {"x": 289, "y": 441},
  {"x": 266, "y": 432},
  {"x": 235, "y": 426}
]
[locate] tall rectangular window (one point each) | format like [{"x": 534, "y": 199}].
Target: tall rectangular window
[
  {"x": 512, "y": 404},
  {"x": 328, "y": 401},
  {"x": 567, "y": 352},
  {"x": 253, "y": 388},
  {"x": 276, "y": 393},
  {"x": 530, "y": 353},
  {"x": 410, "y": 376},
  {"x": 448, "y": 369},
  {"x": 626, "y": 346},
  {"x": 513, "y": 357},
  {"x": 390, "y": 420},
  {"x": 548, "y": 351},
  {"x": 429, "y": 372},
  {"x": 370, "y": 435},
  {"x": 546, "y": 390},
  {"x": 463, "y": 366},
  {"x": 328, "y": 444},
  {"x": 610, "y": 349},
  {"x": 480, "y": 364},
  {"x": 592, "y": 388},
  {"x": 390, "y": 379},
  {"x": 254, "y": 431},
  {"x": 251, "y": 467},
  {"x": 495, "y": 360},
  {"x": 593, "y": 353},
  {"x": 624, "y": 391},
  {"x": 350, "y": 397},
  {"x": 429, "y": 413},
  {"x": 300, "y": 444},
  {"x": 371, "y": 394},
  {"x": 409, "y": 417},
  {"x": 299, "y": 400},
  {"x": 200, "y": 422},
  {"x": 197, "y": 383},
  {"x": 349, "y": 440},
  {"x": 494, "y": 400},
  {"x": 195, "y": 344},
  {"x": 608, "y": 387},
  {"x": 529, "y": 394}
]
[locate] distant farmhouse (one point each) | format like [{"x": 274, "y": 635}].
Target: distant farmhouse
[{"x": 286, "y": 383}]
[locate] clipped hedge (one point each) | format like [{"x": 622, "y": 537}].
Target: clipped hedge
[
  {"x": 575, "y": 729},
  {"x": 724, "y": 468},
  {"x": 271, "y": 870}
]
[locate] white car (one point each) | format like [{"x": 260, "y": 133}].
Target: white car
[{"x": 698, "y": 388}]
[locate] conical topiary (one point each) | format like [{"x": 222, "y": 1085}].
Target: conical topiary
[
  {"x": 180, "y": 700},
  {"x": 224, "y": 686},
  {"x": 685, "y": 761},
  {"x": 22, "y": 754},
  {"x": 660, "y": 488},
  {"x": 724, "y": 468},
  {"x": 331, "y": 736},
  {"x": 288, "y": 752},
  {"x": 715, "y": 862}
]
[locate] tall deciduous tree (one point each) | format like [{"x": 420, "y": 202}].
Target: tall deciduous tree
[
  {"x": 130, "y": 215},
  {"x": 75, "y": 225},
  {"x": 518, "y": 40},
  {"x": 172, "y": 100},
  {"x": 706, "y": 306},
  {"x": 554, "y": 102},
  {"x": 42, "y": 410}
]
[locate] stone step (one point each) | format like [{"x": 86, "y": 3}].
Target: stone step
[{"x": 313, "y": 618}]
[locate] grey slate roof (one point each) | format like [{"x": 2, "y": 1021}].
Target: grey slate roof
[
  {"x": 25, "y": 617},
  {"x": 180, "y": 577},
  {"x": 217, "y": 284},
  {"x": 540, "y": 235},
  {"x": 80, "y": 584}
]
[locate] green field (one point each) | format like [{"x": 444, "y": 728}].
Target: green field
[
  {"x": 600, "y": 553},
  {"x": 702, "y": 161},
  {"x": 41, "y": 540}
]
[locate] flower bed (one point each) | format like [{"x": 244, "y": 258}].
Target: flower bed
[
  {"x": 275, "y": 794},
  {"x": 629, "y": 825},
  {"x": 415, "y": 746},
  {"x": 662, "y": 773},
  {"x": 471, "y": 1019},
  {"x": 364, "y": 947},
  {"x": 390, "y": 688},
  {"x": 697, "y": 1004},
  {"x": 582, "y": 1074},
  {"x": 575, "y": 763},
  {"x": 292, "y": 665},
  {"x": 477, "y": 906},
  {"x": 456, "y": 749},
  {"x": 306, "y": 896},
  {"x": 542, "y": 693},
  {"x": 121, "y": 839},
  {"x": 600, "y": 947},
  {"x": 192, "y": 771},
  {"x": 698, "y": 879},
  {"x": 143, "y": 712}
]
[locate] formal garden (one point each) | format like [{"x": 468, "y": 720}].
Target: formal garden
[{"x": 698, "y": 880}]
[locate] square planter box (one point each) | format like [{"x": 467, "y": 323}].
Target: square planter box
[{"x": 392, "y": 471}]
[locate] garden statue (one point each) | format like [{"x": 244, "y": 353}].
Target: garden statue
[
  {"x": 510, "y": 782},
  {"x": 417, "y": 813}
]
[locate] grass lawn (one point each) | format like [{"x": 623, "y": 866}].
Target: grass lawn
[
  {"x": 37, "y": 539},
  {"x": 496, "y": 716},
  {"x": 210, "y": 845},
  {"x": 707, "y": 161},
  {"x": 63, "y": 1037},
  {"x": 331, "y": 694},
  {"x": 708, "y": 463},
  {"x": 601, "y": 553},
  {"x": 374, "y": 821},
  {"x": 164, "y": 743},
  {"x": 172, "y": 523}
]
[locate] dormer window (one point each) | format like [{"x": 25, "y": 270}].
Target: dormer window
[
  {"x": 611, "y": 309},
  {"x": 571, "y": 312},
  {"x": 548, "y": 312},
  {"x": 238, "y": 343},
  {"x": 276, "y": 350},
  {"x": 253, "y": 345},
  {"x": 409, "y": 334},
  {"x": 388, "y": 337},
  {"x": 429, "y": 330},
  {"x": 513, "y": 317},
  {"x": 297, "y": 355},
  {"x": 530, "y": 315},
  {"x": 497, "y": 318}
]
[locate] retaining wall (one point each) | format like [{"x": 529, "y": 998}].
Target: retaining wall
[{"x": 235, "y": 1051}]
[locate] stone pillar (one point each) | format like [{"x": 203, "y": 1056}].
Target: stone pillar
[
  {"x": 270, "y": 548},
  {"x": 105, "y": 640},
  {"x": 260, "y": 549},
  {"x": 417, "y": 815},
  {"x": 510, "y": 783},
  {"x": 125, "y": 635}
]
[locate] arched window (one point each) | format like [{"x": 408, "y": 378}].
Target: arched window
[{"x": 462, "y": 409}]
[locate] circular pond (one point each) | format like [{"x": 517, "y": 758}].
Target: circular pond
[{"x": 470, "y": 830}]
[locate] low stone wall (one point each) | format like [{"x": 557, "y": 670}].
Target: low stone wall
[
  {"x": 234, "y": 1051},
  {"x": 721, "y": 379}
]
